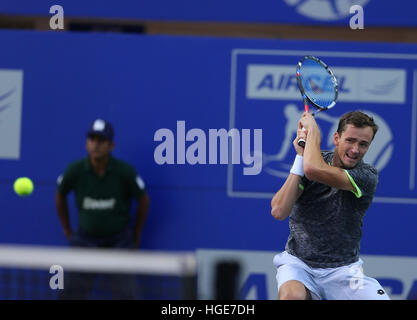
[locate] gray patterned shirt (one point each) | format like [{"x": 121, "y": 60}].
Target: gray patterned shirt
[{"x": 326, "y": 223}]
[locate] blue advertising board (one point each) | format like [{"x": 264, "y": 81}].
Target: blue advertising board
[{"x": 383, "y": 85}]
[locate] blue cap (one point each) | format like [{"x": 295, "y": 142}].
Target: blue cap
[{"x": 101, "y": 128}]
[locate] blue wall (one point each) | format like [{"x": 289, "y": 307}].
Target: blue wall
[{"x": 144, "y": 83}]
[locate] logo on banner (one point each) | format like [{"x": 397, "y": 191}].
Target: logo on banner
[
  {"x": 325, "y": 10},
  {"x": 11, "y": 89},
  {"x": 265, "y": 94},
  {"x": 376, "y": 85}
]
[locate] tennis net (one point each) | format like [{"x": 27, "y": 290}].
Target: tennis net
[{"x": 43, "y": 273}]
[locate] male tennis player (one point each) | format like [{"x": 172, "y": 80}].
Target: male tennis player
[{"x": 326, "y": 196}]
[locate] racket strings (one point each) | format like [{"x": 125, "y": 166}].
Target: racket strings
[{"x": 318, "y": 83}]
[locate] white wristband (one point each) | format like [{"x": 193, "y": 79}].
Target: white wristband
[{"x": 297, "y": 167}]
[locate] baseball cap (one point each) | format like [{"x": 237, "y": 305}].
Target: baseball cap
[{"x": 101, "y": 128}]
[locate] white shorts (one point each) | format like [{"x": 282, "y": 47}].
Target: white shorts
[{"x": 342, "y": 283}]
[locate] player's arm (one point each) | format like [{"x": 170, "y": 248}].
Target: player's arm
[
  {"x": 63, "y": 212},
  {"x": 315, "y": 168},
  {"x": 284, "y": 200},
  {"x": 140, "y": 216},
  {"x": 138, "y": 192},
  {"x": 65, "y": 183}
]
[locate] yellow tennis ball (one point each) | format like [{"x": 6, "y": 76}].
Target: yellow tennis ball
[{"x": 23, "y": 186}]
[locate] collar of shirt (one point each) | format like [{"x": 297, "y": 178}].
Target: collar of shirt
[{"x": 89, "y": 167}]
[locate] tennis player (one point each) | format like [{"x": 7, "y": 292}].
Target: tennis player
[{"x": 326, "y": 196}]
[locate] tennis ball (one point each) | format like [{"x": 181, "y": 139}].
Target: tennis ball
[{"x": 23, "y": 186}]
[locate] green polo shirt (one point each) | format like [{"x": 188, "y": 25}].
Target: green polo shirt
[{"x": 103, "y": 202}]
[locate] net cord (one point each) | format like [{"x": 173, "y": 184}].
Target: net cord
[{"x": 99, "y": 260}]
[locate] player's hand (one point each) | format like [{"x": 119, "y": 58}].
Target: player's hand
[
  {"x": 308, "y": 122},
  {"x": 301, "y": 134}
]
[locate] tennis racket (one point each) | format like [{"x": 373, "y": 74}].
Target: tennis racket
[{"x": 318, "y": 86}]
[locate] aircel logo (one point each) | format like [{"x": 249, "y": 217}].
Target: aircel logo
[{"x": 355, "y": 84}]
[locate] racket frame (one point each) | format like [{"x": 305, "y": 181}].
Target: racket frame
[{"x": 306, "y": 99}]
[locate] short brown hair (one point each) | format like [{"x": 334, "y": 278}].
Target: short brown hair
[{"x": 359, "y": 120}]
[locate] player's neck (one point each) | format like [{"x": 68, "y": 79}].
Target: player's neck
[{"x": 336, "y": 161}]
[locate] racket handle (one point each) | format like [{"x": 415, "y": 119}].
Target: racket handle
[{"x": 301, "y": 142}]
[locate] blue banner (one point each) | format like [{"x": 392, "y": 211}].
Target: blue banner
[{"x": 381, "y": 84}]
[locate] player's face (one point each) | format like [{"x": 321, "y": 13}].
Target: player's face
[
  {"x": 351, "y": 145},
  {"x": 98, "y": 147}
]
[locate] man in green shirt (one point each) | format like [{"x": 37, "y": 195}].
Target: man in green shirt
[{"x": 104, "y": 188}]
